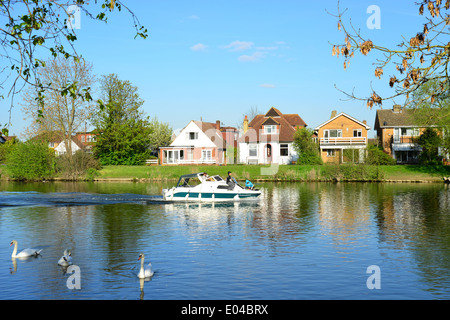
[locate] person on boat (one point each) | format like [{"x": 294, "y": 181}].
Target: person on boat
[
  {"x": 230, "y": 181},
  {"x": 249, "y": 185}
]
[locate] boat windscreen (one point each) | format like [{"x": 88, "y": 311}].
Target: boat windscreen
[
  {"x": 188, "y": 182},
  {"x": 218, "y": 178}
]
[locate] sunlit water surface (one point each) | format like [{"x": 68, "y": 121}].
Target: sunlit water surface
[{"x": 298, "y": 241}]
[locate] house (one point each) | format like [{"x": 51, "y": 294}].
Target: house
[
  {"x": 269, "y": 138},
  {"x": 396, "y": 132},
  {"x": 55, "y": 140},
  {"x": 88, "y": 139},
  {"x": 200, "y": 143},
  {"x": 4, "y": 139},
  {"x": 340, "y": 133}
]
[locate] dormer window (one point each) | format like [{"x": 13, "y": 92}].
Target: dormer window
[
  {"x": 192, "y": 135},
  {"x": 270, "y": 129}
]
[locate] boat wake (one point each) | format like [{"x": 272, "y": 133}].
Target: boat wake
[{"x": 20, "y": 199}]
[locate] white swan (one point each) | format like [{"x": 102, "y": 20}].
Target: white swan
[
  {"x": 66, "y": 259},
  {"x": 147, "y": 272},
  {"x": 25, "y": 252}
]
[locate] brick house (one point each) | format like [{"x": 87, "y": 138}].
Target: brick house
[
  {"x": 396, "y": 132},
  {"x": 55, "y": 140},
  {"x": 342, "y": 132},
  {"x": 200, "y": 143},
  {"x": 269, "y": 138}
]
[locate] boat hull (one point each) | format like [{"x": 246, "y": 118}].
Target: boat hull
[{"x": 182, "y": 195}]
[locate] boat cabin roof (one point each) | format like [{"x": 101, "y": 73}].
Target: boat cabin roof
[{"x": 202, "y": 176}]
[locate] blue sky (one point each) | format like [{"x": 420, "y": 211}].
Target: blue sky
[{"x": 216, "y": 59}]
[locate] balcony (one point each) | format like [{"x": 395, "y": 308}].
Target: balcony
[
  {"x": 340, "y": 141},
  {"x": 405, "y": 139}
]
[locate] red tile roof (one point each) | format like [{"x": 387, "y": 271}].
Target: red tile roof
[{"x": 287, "y": 125}]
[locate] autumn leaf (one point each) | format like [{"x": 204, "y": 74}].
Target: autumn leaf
[{"x": 378, "y": 72}]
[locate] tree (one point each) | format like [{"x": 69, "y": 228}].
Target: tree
[
  {"x": 306, "y": 147},
  {"x": 6, "y": 147},
  {"x": 160, "y": 134},
  {"x": 118, "y": 93},
  {"x": 56, "y": 111},
  {"x": 430, "y": 141},
  {"x": 31, "y": 160},
  {"x": 124, "y": 137},
  {"x": 427, "y": 113},
  {"x": 31, "y": 29},
  {"x": 425, "y": 57}
]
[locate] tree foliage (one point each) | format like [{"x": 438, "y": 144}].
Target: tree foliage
[
  {"x": 307, "y": 149},
  {"x": 57, "y": 111},
  {"x": 124, "y": 138},
  {"x": 430, "y": 141},
  {"x": 425, "y": 57},
  {"x": 160, "y": 134},
  {"x": 31, "y": 160},
  {"x": 32, "y": 29},
  {"x": 123, "y": 99}
]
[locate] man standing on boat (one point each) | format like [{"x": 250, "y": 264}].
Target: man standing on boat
[{"x": 230, "y": 181}]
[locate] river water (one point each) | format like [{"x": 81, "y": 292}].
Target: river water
[{"x": 298, "y": 241}]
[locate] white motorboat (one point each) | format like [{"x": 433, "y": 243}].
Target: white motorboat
[{"x": 203, "y": 188}]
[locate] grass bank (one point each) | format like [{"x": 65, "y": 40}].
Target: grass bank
[{"x": 348, "y": 172}]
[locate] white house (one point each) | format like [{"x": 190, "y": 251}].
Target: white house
[
  {"x": 197, "y": 143},
  {"x": 60, "y": 148},
  {"x": 268, "y": 138}
]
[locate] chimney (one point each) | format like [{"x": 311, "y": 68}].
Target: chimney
[
  {"x": 333, "y": 114},
  {"x": 365, "y": 122},
  {"x": 245, "y": 126},
  {"x": 218, "y": 124},
  {"x": 397, "y": 108}
]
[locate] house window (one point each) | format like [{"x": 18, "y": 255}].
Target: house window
[
  {"x": 270, "y": 129},
  {"x": 51, "y": 144},
  {"x": 357, "y": 133},
  {"x": 192, "y": 135},
  {"x": 284, "y": 150},
  {"x": 206, "y": 154},
  {"x": 331, "y": 152},
  {"x": 335, "y": 133},
  {"x": 410, "y": 132},
  {"x": 83, "y": 139},
  {"x": 252, "y": 150}
]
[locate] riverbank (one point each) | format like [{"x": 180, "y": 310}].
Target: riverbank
[
  {"x": 349, "y": 172},
  {"x": 260, "y": 173}
]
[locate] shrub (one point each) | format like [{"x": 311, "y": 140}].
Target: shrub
[
  {"x": 71, "y": 167},
  {"x": 31, "y": 160},
  {"x": 358, "y": 172},
  {"x": 376, "y": 156}
]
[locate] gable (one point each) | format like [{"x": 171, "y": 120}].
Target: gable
[
  {"x": 270, "y": 121},
  {"x": 340, "y": 119},
  {"x": 204, "y": 136},
  {"x": 273, "y": 112},
  {"x": 288, "y": 124}
]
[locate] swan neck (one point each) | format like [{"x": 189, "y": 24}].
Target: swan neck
[
  {"x": 142, "y": 263},
  {"x": 15, "y": 249}
]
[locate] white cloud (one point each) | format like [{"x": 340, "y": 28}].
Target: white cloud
[
  {"x": 239, "y": 45},
  {"x": 199, "y": 47},
  {"x": 193, "y": 17},
  {"x": 252, "y": 58},
  {"x": 267, "y": 85}
]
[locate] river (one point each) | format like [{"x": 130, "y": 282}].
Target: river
[{"x": 298, "y": 241}]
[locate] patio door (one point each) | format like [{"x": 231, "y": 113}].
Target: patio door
[
  {"x": 268, "y": 153},
  {"x": 173, "y": 156}
]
